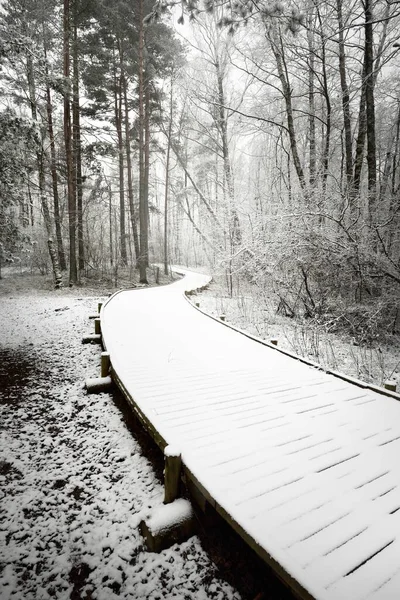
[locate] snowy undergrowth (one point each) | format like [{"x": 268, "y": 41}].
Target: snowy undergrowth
[
  {"x": 74, "y": 481},
  {"x": 373, "y": 364}
]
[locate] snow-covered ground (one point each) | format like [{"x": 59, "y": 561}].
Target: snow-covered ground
[
  {"x": 374, "y": 364},
  {"x": 74, "y": 481}
]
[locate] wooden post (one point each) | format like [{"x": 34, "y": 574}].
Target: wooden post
[
  {"x": 91, "y": 339},
  {"x": 97, "y": 326},
  {"x": 105, "y": 363},
  {"x": 172, "y": 474},
  {"x": 100, "y": 304},
  {"x": 169, "y": 524},
  {"x": 95, "y": 385},
  {"x": 274, "y": 341},
  {"x": 390, "y": 385}
]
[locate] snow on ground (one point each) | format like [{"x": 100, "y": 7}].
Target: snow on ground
[
  {"x": 74, "y": 481},
  {"x": 373, "y": 364}
]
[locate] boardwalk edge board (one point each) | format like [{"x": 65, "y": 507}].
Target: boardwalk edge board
[{"x": 283, "y": 575}]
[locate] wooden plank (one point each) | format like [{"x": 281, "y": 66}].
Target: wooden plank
[
  {"x": 331, "y": 568},
  {"x": 261, "y": 551},
  {"x": 389, "y": 589}
]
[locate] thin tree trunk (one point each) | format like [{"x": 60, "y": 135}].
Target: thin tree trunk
[
  {"x": 311, "y": 103},
  {"x": 394, "y": 197},
  {"x": 42, "y": 180},
  {"x": 73, "y": 273},
  {"x": 56, "y": 198},
  {"x": 395, "y": 152},
  {"x": 47, "y": 220},
  {"x": 202, "y": 197},
  {"x": 77, "y": 148},
  {"x": 235, "y": 234},
  {"x": 361, "y": 135},
  {"x": 129, "y": 170},
  {"x": 118, "y": 125},
  {"x": 111, "y": 227},
  {"x": 370, "y": 107},
  {"x": 143, "y": 216},
  {"x": 362, "y": 118},
  {"x": 278, "y": 52},
  {"x": 146, "y": 167},
  {"x": 53, "y": 168},
  {"x": 325, "y": 92},
  {"x": 345, "y": 101},
  {"x": 188, "y": 213},
  {"x": 166, "y": 255},
  {"x": 31, "y": 213},
  {"x": 54, "y": 261}
]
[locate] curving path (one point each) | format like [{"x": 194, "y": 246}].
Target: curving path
[{"x": 304, "y": 464}]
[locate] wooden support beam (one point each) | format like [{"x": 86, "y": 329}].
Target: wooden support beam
[
  {"x": 95, "y": 385},
  {"x": 105, "y": 363},
  {"x": 172, "y": 474},
  {"x": 390, "y": 385},
  {"x": 97, "y": 326},
  {"x": 100, "y": 304},
  {"x": 169, "y": 524},
  {"x": 94, "y": 338}
]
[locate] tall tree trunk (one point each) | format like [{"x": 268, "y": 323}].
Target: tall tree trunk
[
  {"x": 394, "y": 205},
  {"x": 129, "y": 170},
  {"x": 235, "y": 234},
  {"x": 169, "y": 134},
  {"x": 396, "y": 151},
  {"x": 362, "y": 115},
  {"x": 143, "y": 207},
  {"x": 48, "y": 224},
  {"x": 42, "y": 180},
  {"x": 325, "y": 93},
  {"x": 110, "y": 223},
  {"x": 146, "y": 165},
  {"x": 77, "y": 147},
  {"x": 345, "y": 100},
  {"x": 54, "y": 180},
  {"x": 53, "y": 167},
  {"x": 370, "y": 107},
  {"x": 118, "y": 125},
  {"x": 311, "y": 103},
  {"x": 73, "y": 273},
  {"x": 361, "y": 135}
]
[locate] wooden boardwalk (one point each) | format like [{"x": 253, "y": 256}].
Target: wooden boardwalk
[{"x": 305, "y": 465}]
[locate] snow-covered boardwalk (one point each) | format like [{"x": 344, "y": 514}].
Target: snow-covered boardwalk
[{"x": 305, "y": 465}]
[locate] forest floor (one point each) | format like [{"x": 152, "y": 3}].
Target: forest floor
[
  {"x": 375, "y": 362},
  {"x": 77, "y": 473}
]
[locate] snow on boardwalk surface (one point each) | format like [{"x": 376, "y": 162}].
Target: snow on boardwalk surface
[{"x": 304, "y": 462}]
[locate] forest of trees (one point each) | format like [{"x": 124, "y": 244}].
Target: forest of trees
[{"x": 258, "y": 138}]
